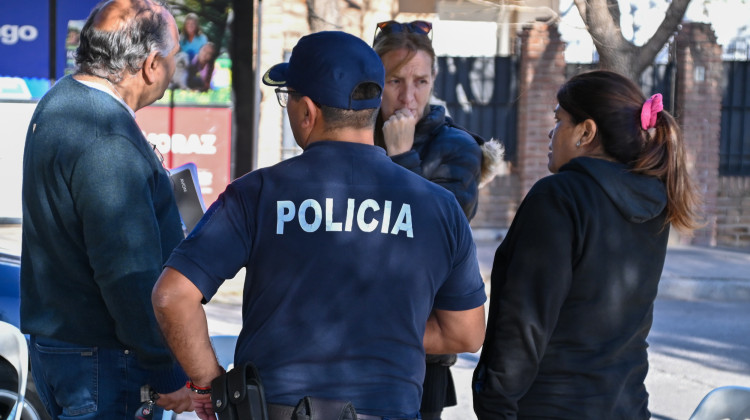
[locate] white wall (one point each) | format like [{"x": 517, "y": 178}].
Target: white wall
[{"x": 14, "y": 120}]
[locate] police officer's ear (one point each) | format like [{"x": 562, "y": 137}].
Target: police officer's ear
[
  {"x": 306, "y": 118},
  {"x": 309, "y": 112}
]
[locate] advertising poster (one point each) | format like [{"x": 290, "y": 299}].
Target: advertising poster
[
  {"x": 203, "y": 75},
  {"x": 200, "y": 135},
  {"x": 190, "y": 123},
  {"x": 203, "y": 68},
  {"x": 71, "y": 44}
]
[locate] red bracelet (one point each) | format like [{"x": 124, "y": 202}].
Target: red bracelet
[{"x": 203, "y": 390}]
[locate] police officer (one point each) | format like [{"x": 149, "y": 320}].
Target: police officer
[{"x": 355, "y": 266}]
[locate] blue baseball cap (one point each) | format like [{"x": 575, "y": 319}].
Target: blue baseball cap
[{"x": 327, "y": 66}]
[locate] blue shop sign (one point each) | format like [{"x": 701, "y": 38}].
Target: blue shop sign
[{"x": 25, "y": 35}]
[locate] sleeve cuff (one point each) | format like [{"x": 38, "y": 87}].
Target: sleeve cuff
[
  {"x": 409, "y": 160},
  {"x": 188, "y": 268},
  {"x": 461, "y": 303}
]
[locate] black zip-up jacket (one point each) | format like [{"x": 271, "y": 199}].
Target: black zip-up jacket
[{"x": 573, "y": 287}]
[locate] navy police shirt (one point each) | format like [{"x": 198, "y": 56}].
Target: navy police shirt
[{"x": 346, "y": 255}]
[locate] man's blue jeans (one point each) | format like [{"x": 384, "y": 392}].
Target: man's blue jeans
[{"x": 79, "y": 382}]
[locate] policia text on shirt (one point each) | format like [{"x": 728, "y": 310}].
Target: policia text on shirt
[{"x": 366, "y": 221}]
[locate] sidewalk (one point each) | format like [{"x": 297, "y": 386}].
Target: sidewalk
[
  {"x": 690, "y": 272},
  {"x": 704, "y": 273}
]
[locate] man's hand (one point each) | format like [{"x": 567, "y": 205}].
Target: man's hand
[
  {"x": 398, "y": 132},
  {"x": 177, "y": 401},
  {"x": 204, "y": 409}
]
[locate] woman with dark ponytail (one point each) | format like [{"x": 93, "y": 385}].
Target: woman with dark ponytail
[{"x": 575, "y": 279}]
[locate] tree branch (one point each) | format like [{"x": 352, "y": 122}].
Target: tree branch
[
  {"x": 647, "y": 53},
  {"x": 614, "y": 11},
  {"x": 600, "y": 23},
  {"x": 323, "y": 15}
]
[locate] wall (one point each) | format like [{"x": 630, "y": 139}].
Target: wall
[
  {"x": 733, "y": 212},
  {"x": 541, "y": 72},
  {"x": 698, "y": 110},
  {"x": 498, "y": 201},
  {"x": 14, "y": 118}
]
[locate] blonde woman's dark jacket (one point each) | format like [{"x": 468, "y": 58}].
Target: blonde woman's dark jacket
[{"x": 447, "y": 156}]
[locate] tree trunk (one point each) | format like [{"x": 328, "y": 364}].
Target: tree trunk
[
  {"x": 323, "y": 15},
  {"x": 602, "y": 19}
]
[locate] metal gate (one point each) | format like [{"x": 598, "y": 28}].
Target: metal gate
[
  {"x": 480, "y": 94},
  {"x": 734, "y": 142},
  {"x": 657, "y": 78}
]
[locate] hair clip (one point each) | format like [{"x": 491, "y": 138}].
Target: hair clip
[{"x": 649, "y": 111}]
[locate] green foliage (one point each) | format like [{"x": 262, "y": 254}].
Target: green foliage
[
  {"x": 220, "y": 94},
  {"x": 219, "y": 97}
]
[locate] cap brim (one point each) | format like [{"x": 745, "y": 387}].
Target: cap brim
[{"x": 276, "y": 75}]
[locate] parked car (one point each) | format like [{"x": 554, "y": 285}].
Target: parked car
[
  {"x": 10, "y": 300},
  {"x": 14, "y": 118}
]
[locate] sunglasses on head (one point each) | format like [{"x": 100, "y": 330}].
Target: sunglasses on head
[{"x": 416, "y": 27}]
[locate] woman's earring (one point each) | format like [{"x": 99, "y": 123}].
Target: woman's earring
[{"x": 578, "y": 144}]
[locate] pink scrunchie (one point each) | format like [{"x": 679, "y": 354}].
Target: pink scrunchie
[{"x": 650, "y": 108}]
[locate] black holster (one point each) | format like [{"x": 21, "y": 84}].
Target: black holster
[{"x": 238, "y": 394}]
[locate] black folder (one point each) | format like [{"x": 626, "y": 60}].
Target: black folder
[{"x": 187, "y": 193}]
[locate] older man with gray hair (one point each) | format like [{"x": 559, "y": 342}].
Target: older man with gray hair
[{"x": 99, "y": 220}]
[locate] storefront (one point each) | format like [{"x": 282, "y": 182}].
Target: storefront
[{"x": 38, "y": 39}]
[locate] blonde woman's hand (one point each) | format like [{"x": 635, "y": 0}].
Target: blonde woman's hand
[{"x": 398, "y": 132}]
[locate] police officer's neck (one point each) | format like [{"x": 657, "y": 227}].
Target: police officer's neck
[{"x": 344, "y": 134}]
